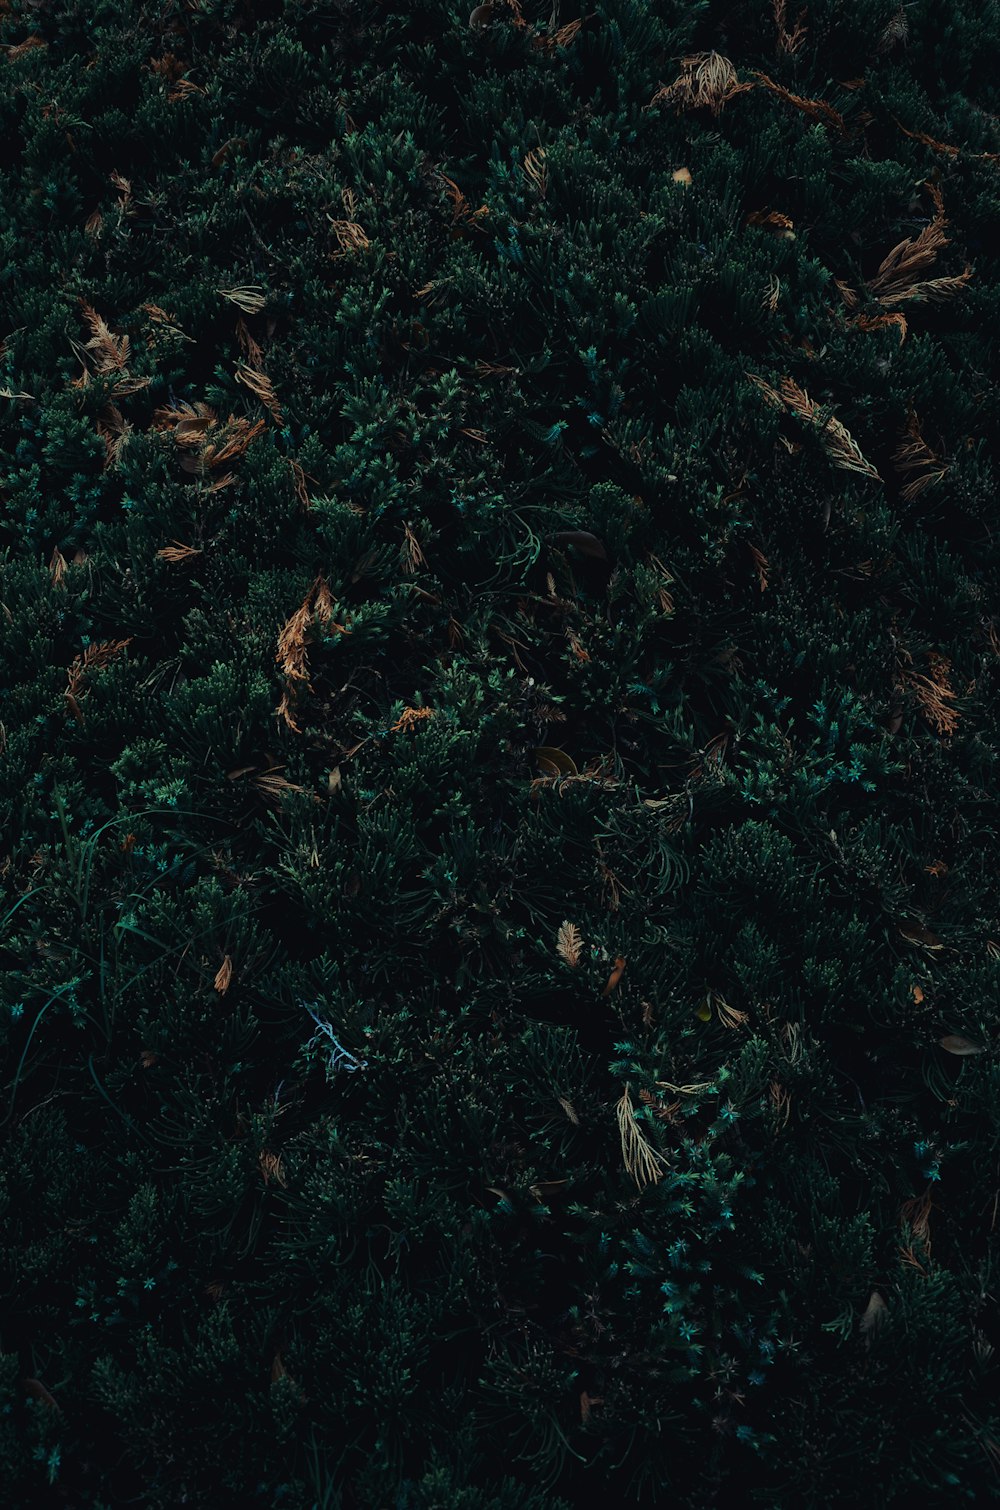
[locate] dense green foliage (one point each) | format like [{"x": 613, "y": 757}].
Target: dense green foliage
[{"x": 500, "y": 614}]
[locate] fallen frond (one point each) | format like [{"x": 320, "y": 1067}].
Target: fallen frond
[
  {"x": 247, "y": 297},
  {"x": 837, "y": 441},
  {"x": 816, "y": 110},
  {"x": 569, "y": 944},
  {"x": 642, "y": 1162},
  {"x": 707, "y": 81},
  {"x": 261, "y": 387},
  {"x": 914, "y": 456}
]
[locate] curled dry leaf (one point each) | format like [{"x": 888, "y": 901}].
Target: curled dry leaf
[{"x": 954, "y": 1043}]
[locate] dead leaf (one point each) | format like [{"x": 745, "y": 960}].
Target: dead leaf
[
  {"x": 569, "y": 944},
  {"x": 954, "y": 1043},
  {"x": 874, "y": 1313},
  {"x": 615, "y": 976},
  {"x": 555, "y": 762}
]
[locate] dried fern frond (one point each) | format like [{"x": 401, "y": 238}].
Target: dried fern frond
[
  {"x": 569, "y": 944},
  {"x": 247, "y": 297},
  {"x": 816, "y": 110},
  {"x": 224, "y": 976},
  {"x": 94, "y": 658},
  {"x": 913, "y": 455},
  {"x": 642, "y": 1162},
  {"x": 177, "y": 552},
  {"x": 935, "y": 695},
  {"x": 317, "y": 606},
  {"x": 535, "y": 169},
  {"x": 882, "y": 322},
  {"x": 837, "y": 441},
  {"x": 110, "y": 352},
  {"x": 707, "y": 80},
  {"x": 899, "y": 274},
  {"x": 788, "y": 41},
  {"x": 261, "y": 387}
]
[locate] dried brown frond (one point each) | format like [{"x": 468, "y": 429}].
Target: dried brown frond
[
  {"x": 115, "y": 431},
  {"x": 770, "y": 220},
  {"x": 224, "y": 976},
  {"x": 898, "y": 277},
  {"x": 291, "y": 656},
  {"x": 788, "y": 41},
  {"x": 935, "y": 694},
  {"x": 247, "y": 297},
  {"x": 913, "y": 455},
  {"x": 535, "y": 169},
  {"x": 838, "y": 443},
  {"x": 560, "y": 38},
  {"x": 183, "y": 89},
  {"x": 927, "y": 141},
  {"x": 19, "y": 50},
  {"x": 642, "y": 1162},
  {"x": 706, "y": 81},
  {"x": 188, "y": 421},
  {"x": 411, "y": 718},
  {"x": 916, "y": 1215},
  {"x": 273, "y": 784},
  {"x": 57, "y": 567},
  {"x": 94, "y": 658},
  {"x": 220, "y": 483},
  {"x": 168, "y": 66},
  {"x": 301, "y": 492},
  {"x": 848, "y": 295},
  {"x": 233, "y": 442},
  {"x": 413, "y": 556},
  {"x": 110, "y": 352},
  {"x": 261, "y": 387},
  {"x": 272, "y": 1168},
  {"x": 816, "y": 110},
  {"x": 350, "y": 236},
  {"x": 781, "y": 1099},
  {"x": 569, "y": 944},
  {"x": 177, "y": 552},
  {"x": 250, "y": 348},
  {"x": 760, "y": 561},
  {"x": 772, "y": 297},
  {"x": 896, "y": 320},
  {"x": 728, "y": 1016}
]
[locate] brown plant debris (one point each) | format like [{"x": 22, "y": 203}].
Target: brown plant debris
[
  {"x": 411, "y": 718},
  {"x": 177, "y": 552},
  {"x": 569, "y": 944},
  {"x": 914, "y": 457},
  {"x": 707, "y": 81},
  {"x": 316, "y": 608},
  {"x": 816, "y": 110},
  {"x": 642, "y": 1162},
  {"x": 788, "y": 40},
  {"x": 94, "y": 658},
  {"x": 261, "y": 387},
  {"x": 934, "y": 693},
  {"x": 899, "y": 276},
  {"x": 838, "y": 443}
]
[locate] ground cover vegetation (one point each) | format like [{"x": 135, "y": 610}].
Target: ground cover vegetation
[{"x": 500, "y": 618}]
